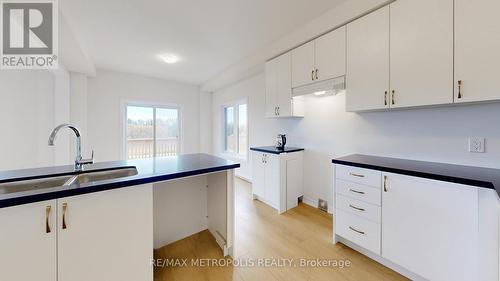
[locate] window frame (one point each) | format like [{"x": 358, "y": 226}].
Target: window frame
[
  {"x": 236, "y": 115},
  {"x": 154, "y": 105}
]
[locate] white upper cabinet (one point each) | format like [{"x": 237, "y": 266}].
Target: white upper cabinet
[
  {"x": 421, "y": 52},
  {"x": 279, "y": 102},
  {"x": 330, "y": 55},
  {"x": 368, "y": 62},
  {"x": 303, "y": 69},
  {"x": 477, "y": 50},
  {"x": 319, "y": 60}
]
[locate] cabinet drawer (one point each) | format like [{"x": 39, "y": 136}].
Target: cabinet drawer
[
  {"x": 359, "y": 175},
  {"x": 359, "y": 208},
  {"x": 358, "y": 191},
  {"x": 358, "y": 230}
]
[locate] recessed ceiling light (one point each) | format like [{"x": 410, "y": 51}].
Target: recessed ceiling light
[{"x": 170, "y": 58}]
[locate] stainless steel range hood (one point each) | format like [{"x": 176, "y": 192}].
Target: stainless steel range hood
[{"x": 333, "y": 86}]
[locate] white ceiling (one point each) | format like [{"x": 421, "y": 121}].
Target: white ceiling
[{"x": 209, "y": 35}]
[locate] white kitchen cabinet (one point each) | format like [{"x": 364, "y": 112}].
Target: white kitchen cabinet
[
  {"x": 477, "y": 46},
  {"x": 98, "y": 236},
  {"x": 430, "y": 227},
  {"x": 421, "y": 52},
  {"x": 330, "y": 52},
  {"x": 28, "y": 242},
  {"x": 279, "y": 101},
  {"x": 303, "y": 68},
  {"x": 367, "y": 78},
  {"x": 320, "y": 59},
  {"x": 277, "y": 179},
  {"x": 258, "y": 174},
  {"x": 106, "y": 235}
]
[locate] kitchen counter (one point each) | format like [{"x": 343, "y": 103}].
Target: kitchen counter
[
  {"x": 149, "y": 170},
  {"x": 274, "y": 150},
  {"x": 467, "y": 175}
]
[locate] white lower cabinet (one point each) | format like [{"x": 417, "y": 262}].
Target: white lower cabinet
[
  {"x": 28, "y": 238},
  {"x": 277, "y": 179},
  {"x": 422, "y": 228},
  {"x": 430, "y": 227},
  {"x": 98, "y": 236}
]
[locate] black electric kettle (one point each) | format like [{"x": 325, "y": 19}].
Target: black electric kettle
[{"x": 281, "y": 141}]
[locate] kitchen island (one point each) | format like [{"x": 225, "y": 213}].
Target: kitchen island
[{"x": 103, "y": 223}]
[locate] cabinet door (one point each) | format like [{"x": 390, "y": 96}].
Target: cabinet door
[
  {"x": 303, "y": 65},
  {"x": 477, "y": 46},
  {"x": 330, "y": 54},
  {"x": 368, "y": 62},
  {"x": 421, "y": 52},
  {"x": 28, "y": 242},
  {"x": 271, "y": 88},
  {"x": 258, "y": 174},
  {"x": 108, "y": 235},
  {"x": 430, "y": 227},
  {"x": 272, "y": 162},
  {"x": 284, "y": 85}
]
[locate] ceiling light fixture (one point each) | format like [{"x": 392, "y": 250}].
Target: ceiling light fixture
[{"x": 170, "y": 58}]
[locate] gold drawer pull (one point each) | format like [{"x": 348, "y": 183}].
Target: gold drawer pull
[
  {"x": 356, "y": 191},
  {"x": 385, "y": 183},
  {"x": 64, "y": 207},
  {"x": 357, "y": 175},
  {"x": 385, "y": 98},
  {"x": 48, "y": 209},
  {"x": 355, "y": 230},
  {"x": 357, "y": 208}
]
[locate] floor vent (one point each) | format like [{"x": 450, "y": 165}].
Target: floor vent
[{"x": 323, "y": 205}]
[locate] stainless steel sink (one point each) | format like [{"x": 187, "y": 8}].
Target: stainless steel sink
[
  {"x": 103, "y": 175},
  {"x": 27, "y": 185}
]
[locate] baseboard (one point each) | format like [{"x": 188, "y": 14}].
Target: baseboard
[
  {"x": 381, "y": 260},
  {"x": 308, "y": 201}
]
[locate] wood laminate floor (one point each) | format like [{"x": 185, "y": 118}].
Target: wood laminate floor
[{"x": 263, "y": 236}]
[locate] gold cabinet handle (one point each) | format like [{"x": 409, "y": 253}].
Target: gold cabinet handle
[
  {"x": 357, "y": 175},
  {"x": 312, "y": 75},
  {"x": 385, "y": 98},
  {"x": 357, "y": 208},
  {"x": 356, "y": 191},
  {"x": 316, "y": 74},
  {"x": 392, "y": 98},
  {"x": 358, "y": 231},
  {"x": 64, "y": 209},
  {"x": 459, "y": 89},
  {"x": 48, "y": 209},
  {"x": 385, "y": 183}
]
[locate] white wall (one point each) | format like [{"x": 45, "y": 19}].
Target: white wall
[
  {"x": 327, "y": 131},
  {"x": 107, "y": 93},
  {"x": 30, "y": 106}
]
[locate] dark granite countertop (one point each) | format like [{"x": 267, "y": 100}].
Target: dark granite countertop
[
  {"x": 274, "y": 150},
  {"x": 467, "y": 175},
  {"x": 149, "y": 170}
]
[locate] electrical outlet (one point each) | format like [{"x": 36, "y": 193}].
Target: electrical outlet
[{"x": 476, "y": 145}]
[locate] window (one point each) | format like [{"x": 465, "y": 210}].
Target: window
[
  {"x": 152, "y": 131},
  {"x": 236, "y": 129}
]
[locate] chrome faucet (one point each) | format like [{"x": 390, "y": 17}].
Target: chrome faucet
[{"x": 79, "y": 162}]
